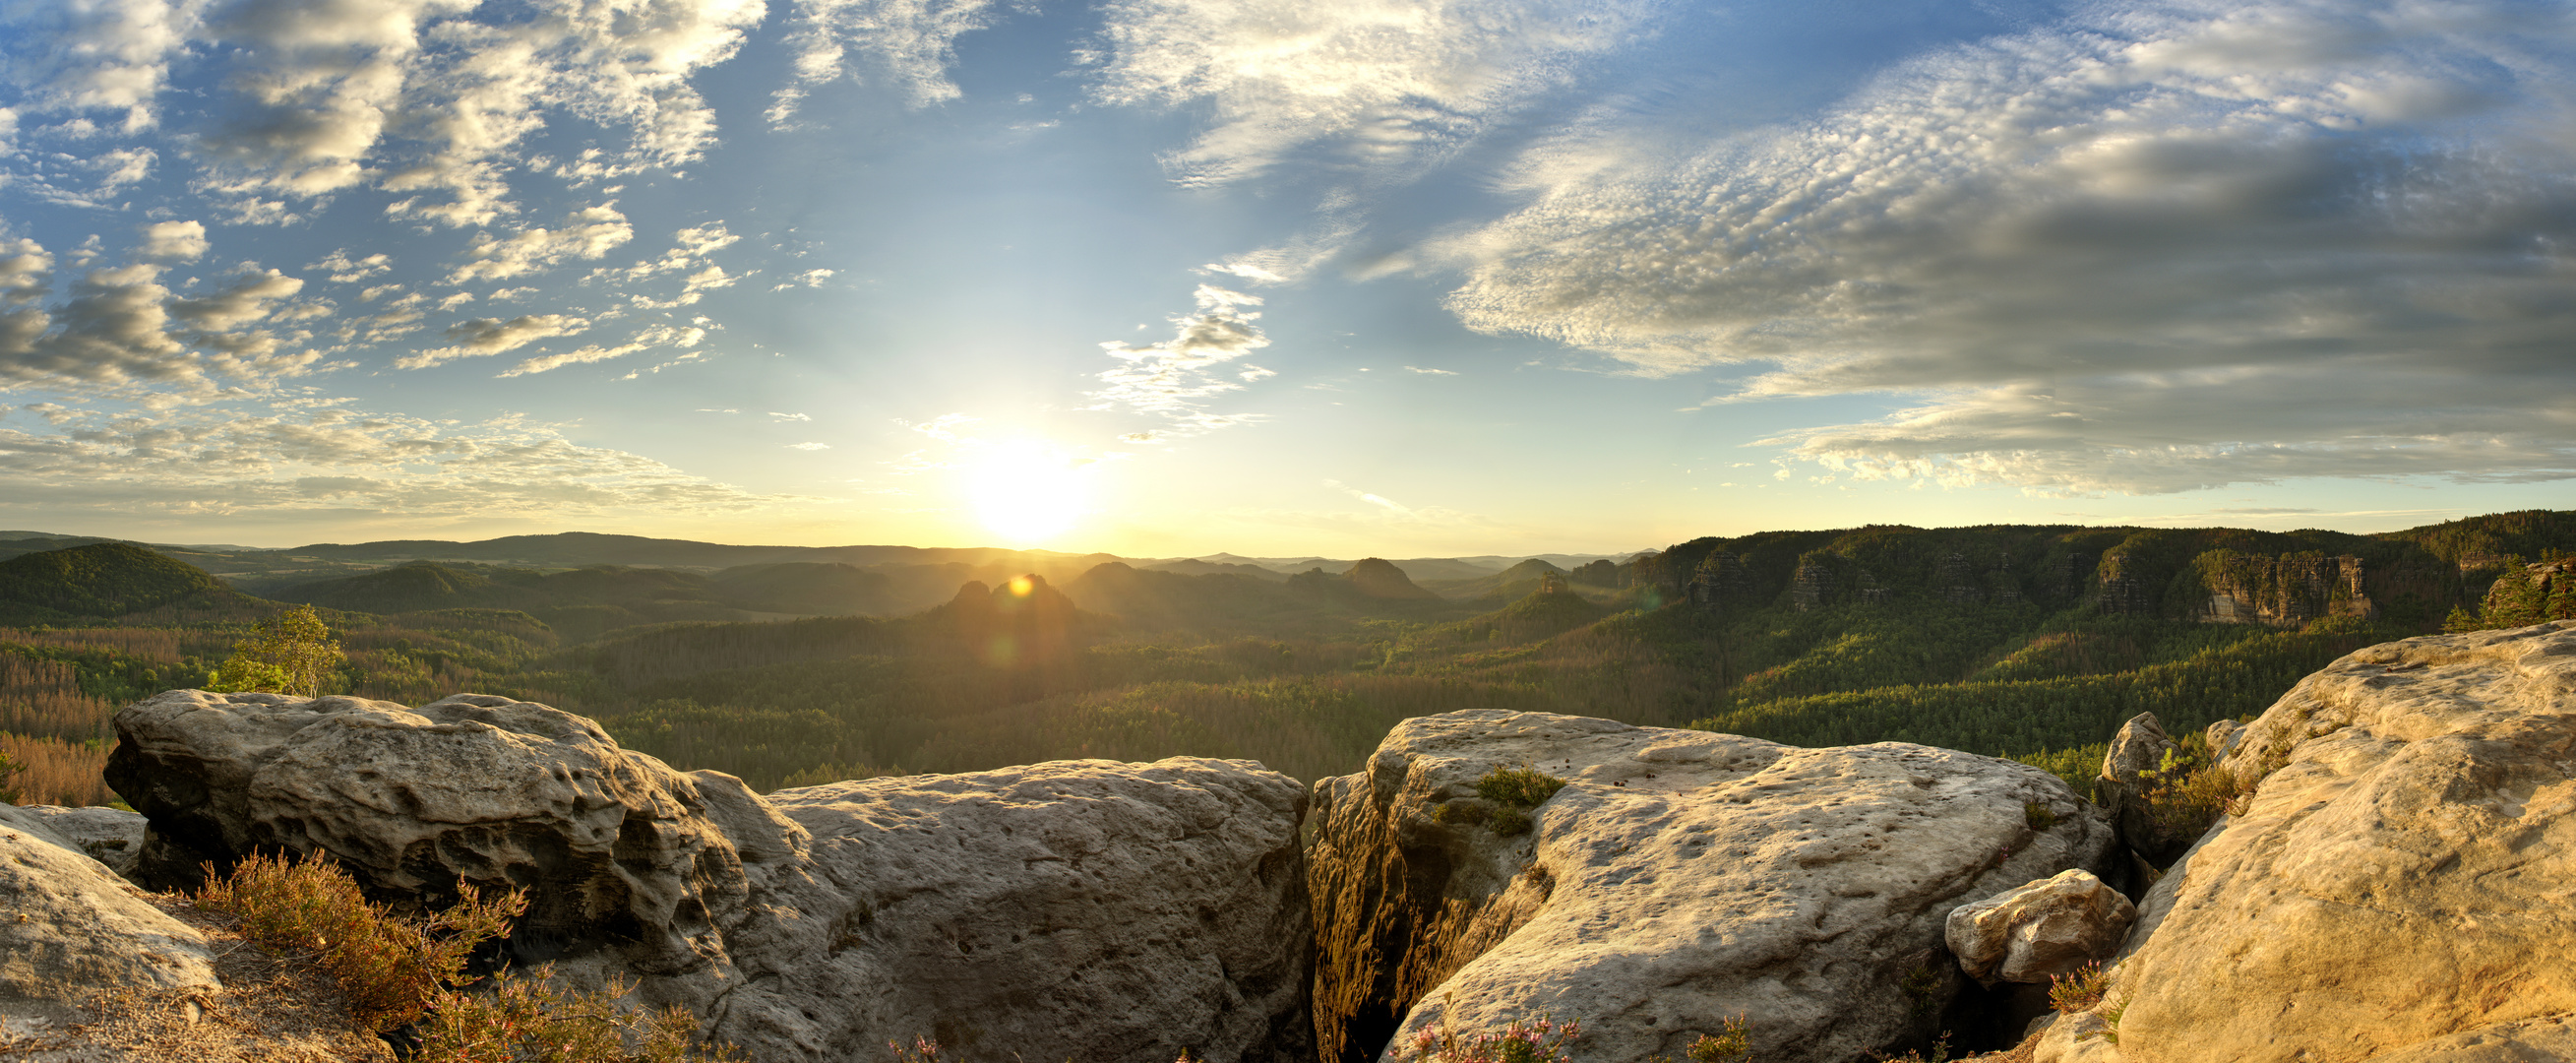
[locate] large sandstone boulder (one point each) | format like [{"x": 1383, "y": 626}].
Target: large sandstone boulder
[
  {"x": 1085, "y": 909},
  {"x": 1680, "y": 878},
  {"x": 1089, "y": 910},
  {"x": 2400, "y": 886},
  {"x": 2036, "y": 931},
  {"x": 617, "y": 851},
  {"x": 70, "y": 928}
]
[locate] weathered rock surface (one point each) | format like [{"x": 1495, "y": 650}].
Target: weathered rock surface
[
  {"x": 1082, "y": 909},
  {"x": 2039, "y": 929},
  {"x": 1091, "y": 910},
  {"x": 2138, "y": 750},
  {"x": 72, "y": 928},
  {"x": 1680, "y": 878},
  {"x": 616, "y": 849},
  {"x": 2401, "y": 885},
  {"x": 111, "y": 836}
]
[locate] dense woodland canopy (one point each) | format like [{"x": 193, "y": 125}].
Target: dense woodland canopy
[{"x": 2014, "y": 640}]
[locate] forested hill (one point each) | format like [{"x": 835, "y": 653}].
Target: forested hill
[
  {"x": 2410, "y": 578},
  {"x": 2013, "y": 640}
]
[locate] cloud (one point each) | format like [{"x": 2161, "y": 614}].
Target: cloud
[
  {"x": 656, "y": 336},
  {"x": 283, "y": 457},
  {"x": 776, "y": 416},
  {"x": 111, "y": 56},
  {"x": 812, "y": 278},
  {"x": 2162, "y": 248},
  {"x": 432, "y": 100},
  {"x": 1388, "y": 504},
  {"x": 942, "y": 427},
  {"x": 907, "y": 43},
  {"x": 345, "y": 270},
  {"x": 122, "y": 331},
  {"x": 1380, "y": 81},
  {"x": 1429, "y": 372},
  {"x": 586, "y": 233},
  {"x": 172, "y": 241},
  {"x": 1172, "y": 378},
  {"x": 488, "y": 335},
  {"x": 809, "y": 446}
]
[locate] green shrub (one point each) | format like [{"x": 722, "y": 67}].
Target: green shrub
[
  {"x": 2038, "y": 815},
  {"x": 1524, "y": 786},
  {"x": 1508, "y": 821},
  {"x": 1461, "y": 813}
]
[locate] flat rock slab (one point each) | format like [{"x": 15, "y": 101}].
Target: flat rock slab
[
  {"x": 1088, "y": 909},
  {"x": 1679, "y": 878},
  {"x": 2405, "y": 873},
  {"x": 69, "y": 928}
]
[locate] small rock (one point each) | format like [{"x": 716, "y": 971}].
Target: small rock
[
  {"x": 2079, "y": 1038},
  {"x": 2223, "y": 737},
  {"x": 2047, "y": 927},
  {"x": 111, "y": 836}
]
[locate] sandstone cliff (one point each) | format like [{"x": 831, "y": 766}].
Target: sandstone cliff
[{"x": 1678, "y": 879}]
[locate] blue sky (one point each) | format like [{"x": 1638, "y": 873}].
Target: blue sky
[{"x": 1172, "y": 277}]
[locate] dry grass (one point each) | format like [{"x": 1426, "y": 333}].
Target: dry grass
[{"x": 270, "y": 1010}]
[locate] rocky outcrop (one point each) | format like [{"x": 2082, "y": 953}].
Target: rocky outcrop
[
  {"x": 2137, "y": 752},
  {"x": 2398, "y": 888},
  {"x": 111, "y": 836},
  {"x": 616, "y": 850},
  {"x": 1722, "y": 583},
  {"x": 1680, "y": 877},
  {"x": 1091, "y": 910},
  {"x": 1081, "y": 909},
  {"x": 72, "y": 929},
  {"x": 2283, "y": 591},
  {"x": 2041, "y": 929}
]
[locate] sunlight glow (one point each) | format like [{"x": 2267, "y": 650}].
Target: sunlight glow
[{"x": 1027, "y": 491}]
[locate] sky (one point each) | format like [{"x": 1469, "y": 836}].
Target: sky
[{"x": 1341, "y": 277}]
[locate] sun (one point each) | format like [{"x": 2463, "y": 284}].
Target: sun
[{"x": 1028, "y": 491}]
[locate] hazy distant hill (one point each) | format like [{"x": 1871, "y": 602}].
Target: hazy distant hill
[
  {"x": 808, "y": 587},
  {"x": 106, "y": 579},
  {"x": 1156, "y": 599},
  {"x": 1510, "y": 584},
  {"x": 1191, "y": 566}
]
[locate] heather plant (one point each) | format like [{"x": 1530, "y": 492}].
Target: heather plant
[
  {"x": 1524, "y": 786},
  {"x": 404, "y": 978},
  {"x": 1732, "y": 1043},
  {"x": 2071, "y": 993},
  {"x": 1539, "y": 1040}
]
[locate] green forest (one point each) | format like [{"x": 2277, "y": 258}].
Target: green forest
[{"x": 2026, "y": 641}]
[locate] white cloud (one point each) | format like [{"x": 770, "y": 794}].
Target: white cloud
[
  {"x": 809, "y": 446},
  {"x": 812, "y": 278},
  {"x": 173, "y": 241},
  {"x": 432, "y": 99},
  {"x": 907, "y": 43},
  {"x": 586, "y": 233},
  {"x": 942, "y": 428},
  {"x": 110, "y": 55},
  {"x": 286, "y": 457},
  {"x": 656, "y": 336},
  {"x": 1174, "y": 377},
  {"x": 2173, "y": 246},
  {"x": 345, "y": 270},
  {"x": 1429, "y": 372},
  {"x": 487, "y": 336},
  {"x": 1379, "y": 80},
  {"x": 122, "y": 331},
  {"x": 776, "y": 416}
]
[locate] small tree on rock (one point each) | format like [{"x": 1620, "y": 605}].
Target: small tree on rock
[{"x": 292, "y": 654}]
